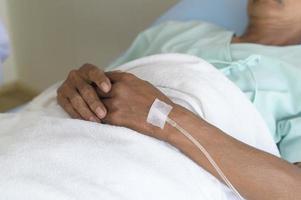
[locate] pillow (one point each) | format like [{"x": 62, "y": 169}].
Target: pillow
[{"x": 230, "y": 14}]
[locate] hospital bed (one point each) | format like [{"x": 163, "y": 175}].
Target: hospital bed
[{"x": 230, "y": 14}]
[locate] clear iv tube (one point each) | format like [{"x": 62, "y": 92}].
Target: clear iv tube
[{"x": 207, "y": 155}]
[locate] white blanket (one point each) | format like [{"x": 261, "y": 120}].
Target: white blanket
[{"x": 45, "y": 155}]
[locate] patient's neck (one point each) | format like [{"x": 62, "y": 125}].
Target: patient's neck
[{"x": 267, "y": 34}]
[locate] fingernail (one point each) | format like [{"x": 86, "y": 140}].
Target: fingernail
[
  {"x": 105, "y": 87},
  {"x": 100, "y": 113}
]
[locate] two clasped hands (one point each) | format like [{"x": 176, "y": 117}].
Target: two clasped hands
[{"x": 115, "y": 98}]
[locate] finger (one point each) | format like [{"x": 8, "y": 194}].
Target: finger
[
  {"x": 90, "y": 96},
  {"x": 80, "y": 106},
  {"x": 115, "y": 76},
  {"x": 96, "y": 75},
  {"x": 66, "y": 105}
]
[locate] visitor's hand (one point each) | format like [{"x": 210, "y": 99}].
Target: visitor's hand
[
  {"x": 78, "y": 97},
  {"x": 129, "y": 102}
]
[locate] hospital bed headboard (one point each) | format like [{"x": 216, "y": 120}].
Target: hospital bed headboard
[{"x": 231, "y": 14}]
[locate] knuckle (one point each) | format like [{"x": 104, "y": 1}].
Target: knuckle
[
  {"x": 88, "y": 69},
  {"x": 97, "y": 74},
  {"x": 72, "y": 74},
  {"x": 128, "y": 77},
  {"x": 119, "y": 87},
  {"x": 116, "y": 104},
  {"x": 84, "y": 88},
  {"x": 96, "y": 69},
  {"x": 86, "y": 66},
  {"x": 76, "y": 102},
  {"x": 59, "y": 90},
  {"x": 94, "y": 104},
  {"x": 91, "y": 72},
  {"x": 89, "y": 94},
  {"x": 62, "y": 89},
  {"x": 89, "y": 97}
]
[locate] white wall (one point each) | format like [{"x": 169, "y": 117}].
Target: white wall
[
  {"x": 9, "y": 67},
  {"x": 53, "y": 36}
]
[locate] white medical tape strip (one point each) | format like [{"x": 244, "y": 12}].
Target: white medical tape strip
[{"x": 158, "y": 113}]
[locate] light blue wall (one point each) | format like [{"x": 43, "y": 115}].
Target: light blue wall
[{"x": 231, "y": 14}]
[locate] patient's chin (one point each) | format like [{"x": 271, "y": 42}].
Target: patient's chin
[
  {"x": 273, "y": 23},
  {"x": 271, "y": 35}
]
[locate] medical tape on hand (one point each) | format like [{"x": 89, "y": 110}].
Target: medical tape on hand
[
  {"x": 158, "y": 113},
  {"x": 158, "y": 116}
]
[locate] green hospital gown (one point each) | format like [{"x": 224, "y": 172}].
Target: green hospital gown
[{"x": 269, "y": 76}]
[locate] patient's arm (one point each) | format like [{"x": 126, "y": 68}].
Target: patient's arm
[{"x": 256, "y": 174}]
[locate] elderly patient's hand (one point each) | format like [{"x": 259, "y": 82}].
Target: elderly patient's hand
[
  {"x": 129, "y": 101},
  {"x": 77, "y": 96}
]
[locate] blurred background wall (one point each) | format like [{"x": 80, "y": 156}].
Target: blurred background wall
[
  {"x": 9, "y": 68},
  {"x": 51, "y": 37}
]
